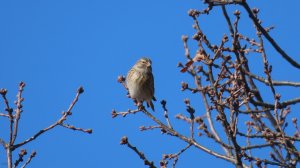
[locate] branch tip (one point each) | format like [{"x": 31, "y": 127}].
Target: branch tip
[
  {"x": 80, "y": 90},
  {"x": 124, "y": 140}
]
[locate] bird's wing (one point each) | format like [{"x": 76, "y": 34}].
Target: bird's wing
[{"x": 151, "y": 79}]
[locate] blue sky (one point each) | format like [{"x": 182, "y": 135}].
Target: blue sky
[{"x": 56, "y": 46}]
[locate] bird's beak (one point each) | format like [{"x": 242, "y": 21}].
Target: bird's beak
[{"x": 149, "y": 64}]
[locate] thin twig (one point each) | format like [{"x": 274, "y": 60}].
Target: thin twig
[
  {"x": 125, "y": 113},
  {"x": 186, "y": 139},
  {"x": 18, "y": 111},
  {"x": 4, "y": 115},
  {"x": 124, "y": 141},
  {"x": 58, "y": 122},
  {"x": 11, "y": 122},
  {"x": 22, "y": 153},
  {"x": 275, "y": 83},
  {"x": 269, "y": 38},
  {"x": 175, "y": 156},
  {"x": 33, "y": 154},
  {"x": 164, "y": 103},
  {"x": 89, "y": 131},
  {"x": 282, "y": 105}
]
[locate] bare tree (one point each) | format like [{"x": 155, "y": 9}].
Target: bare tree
[
  {"x": 234, "y": 105},
  {"x": 14, "y": 115}
]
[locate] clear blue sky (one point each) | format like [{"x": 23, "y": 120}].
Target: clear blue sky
[{"x": 55, "y": 46}]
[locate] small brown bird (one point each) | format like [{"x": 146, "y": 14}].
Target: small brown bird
[{"x": 140, "y": 82}]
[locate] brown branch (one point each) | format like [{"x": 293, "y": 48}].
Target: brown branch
[
  {"x": 89, "y": 131},
  {"x": 268, "y": 37},
  {"x": 4, "y": 115},
  {"x": 253, "y": 111},
  {"x": 199, "y": 87},
  {"x": 267, "y": 69},
  {"x": 143, "y": 128},
  {"x": 22, "y": 153},
  {"x": 58, "y": 122},
  {"x": 9, "y": 110},
  {"x": 183, "y": 118},
  {"x": 275, "y": 83},
  {"x": 250, "y": 80},
  {"x": 166, "y": 115},
  {"x": 282, "y": 105},
  {"x": 223, "y": 2},
  {"x": 249, "y": 130},
  {"x": 264, "y": 136},
  {"x": 124, "y": 141},
  {"x": 250, "y": 41},
  {"x": 186, "y": 139},
  {"x": 229, "y": 90},
  {"x": 124, "y": 114},
  {"x": 18, "y": 112},
  {"x": 33, "y": 154},
  {"x": 175, "y": 156},
  {"x": 186, "y": 49},
  {"x": 191, "y": 111},
  {"x": 210, "y": 121},
  {"x": 11, "y": 122},
  {"x": 258, "y": 146},
  {"x": 259, "y": 161}
]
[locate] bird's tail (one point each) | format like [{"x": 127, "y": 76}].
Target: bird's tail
[{"x": 150, "y": 103}]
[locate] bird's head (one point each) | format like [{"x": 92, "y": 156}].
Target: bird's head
[{"x": 144, "y": 64}]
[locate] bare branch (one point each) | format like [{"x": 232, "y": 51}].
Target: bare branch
[
  {"x": 22, "y": 153},
  {"x": 58, "y": 122},
  {"x": 275, "y": 83},
  {"x": 269, "y": 38},
  {"x": 124, "y": 141},
  {"x": 124, "y": 114},
  {"x": 226, "y": 84},
  {"x": 89, "y": 131},
  {"x": 18, "y": 111},
  {"x": 188, "y": 140},
  {"x": 163, "y": 103},
  {"x": 283, "y": 104},
  {"x": 4, "y": 115},
  {"x": 175, "y": 156},
  {"x": 9, "y": 112},
  {"x": 33, "y": 154}
]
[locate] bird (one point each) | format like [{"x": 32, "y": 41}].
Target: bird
[{"x": 140, "y": 82}]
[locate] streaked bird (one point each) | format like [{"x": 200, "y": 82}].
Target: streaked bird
[{"x": 140, "y": 82}]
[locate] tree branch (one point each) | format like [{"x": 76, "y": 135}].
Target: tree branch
[
  {"x": 269, "y": 38},
  {"x": 58, "y": 122},
  {"x": 124, "y": 141},
  {"x": 33, "y": 154}
]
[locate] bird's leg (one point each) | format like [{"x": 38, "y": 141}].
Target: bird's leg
[
  {"x": 135, "y": 102},
  {"x": 139, "y": 104}
]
